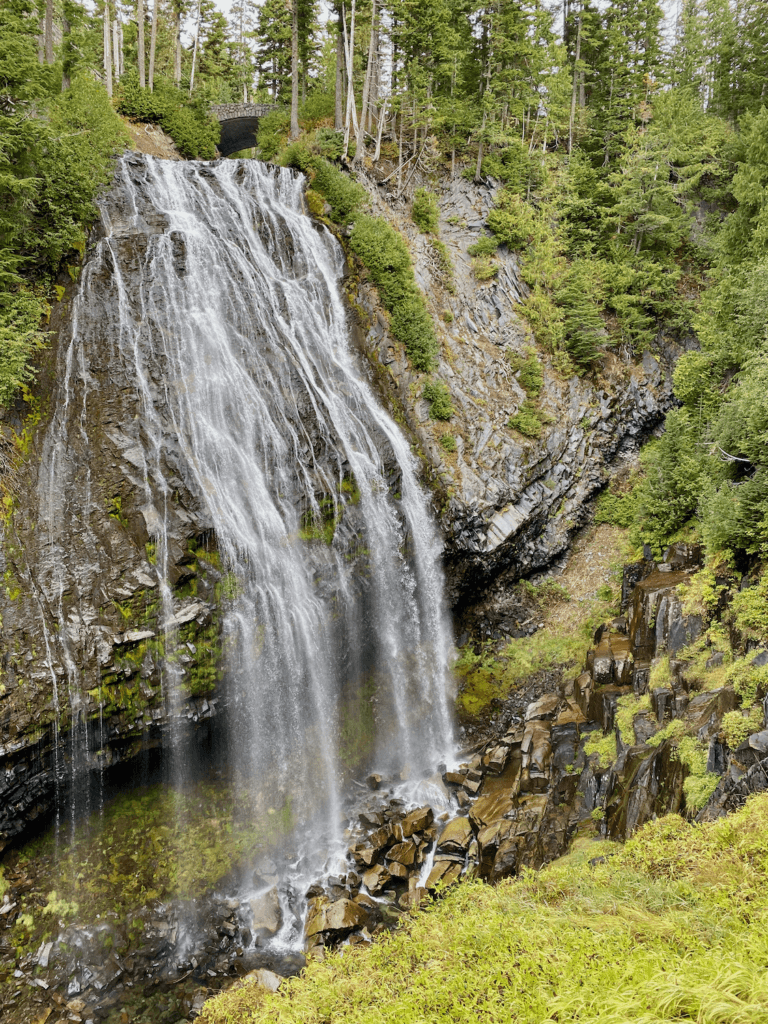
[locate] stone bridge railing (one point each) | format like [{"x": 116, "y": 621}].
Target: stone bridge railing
[
  {"x": 239, "y": 124},
  {"x": 235, "y": 111}
]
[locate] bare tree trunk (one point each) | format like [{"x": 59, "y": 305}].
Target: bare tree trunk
[
  {"x": 153, "y": 45},
  {"x": 360, "y": 138},
  {"x": 107, "y": 53},
  {"x": 177, "y": 51},
  {"x": 49, "y": 32},
  {"x": 294, "y": 69},
  {"x": 351, "y": 118},
  {"x": 338, "y": 112},
  {"x": 194, "y": 51},
  {"x": 400, "y": 154},
  {"x": 380, "y": 132},
  {"x": 116, "y": 49},
  {"x": 575, "y": 85},
  {"x": 142, "y": 56}
]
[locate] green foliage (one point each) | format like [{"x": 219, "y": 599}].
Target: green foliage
[
  {"x": 626, "y": 708},
  {"x": 484, "y": 268},
  {"x": 673, "y": 481},
  {"x": 273, "y": 133},
  {"x": 749, "y": 609},
  {"x": 615, "y": 509},
  {"x": 602, "y": 746},
  {"x": 486, "y": 245},
  {"x": 672, "y": 730},
  {"x": 193, "y": 131},
  {"x": 445, "y": 264},
  {"x": 20, "y": 338},
  {"x": 528, "y": 420},
  {"x": 448, "y": 442},
  {"x": 385, "y": 255},
  {"x": 529, "y": 371},
  {"x": 439, "y": 398},
  {"x": 425, "y": 211},
  {"x": 737, "y": 725}
]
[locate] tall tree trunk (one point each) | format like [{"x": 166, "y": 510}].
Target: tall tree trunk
[
  {"x": 351, "y": 118},
  {"x": 66, "y": 29},
  {"x": 49, "y": 32},
  {"x": 107, "y": 52},
  {"x": 177, "y": 50},
  {"x": 153, "y": 45},
  {"x": 142, "y": 56},
  {"x": 194, "y": 51},
  {"x": 338, "y": 110},
  {"x": 116, "y": 48},
  {"x": 575, "y": 85},
  {"x": 294, "y": 69},
  {"x": 360, "y": 138},
  {"x": 380, "y": 130}
]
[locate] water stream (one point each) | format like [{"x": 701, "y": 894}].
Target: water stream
[{"x": 217, "y": 300}]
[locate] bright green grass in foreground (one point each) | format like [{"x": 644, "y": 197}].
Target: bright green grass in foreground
[{"x": 672, "y": 927}]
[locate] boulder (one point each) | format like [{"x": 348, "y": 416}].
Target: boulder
[
  {"x": 266, "y": 979},
  {"x": 403, "y": 853},
  {"x": 267, "y": 916},
  {"x": 490, "y": 808},
  {"x": 376, "y": 879},
  {"x": 456, "y": 835},
  {"x": 335, "y": 920},
  {"x": 444, "y": 872}
]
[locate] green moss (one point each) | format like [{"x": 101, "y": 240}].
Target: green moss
[
  {"x": 152, "y": 843},
  {"x": 385, "y": 255},
  {"x": 737, "y": 725},
  {"x": 673, "y": 730},
  {"x": 627, "y": 707},
  {"x": 603, "y": 746}
]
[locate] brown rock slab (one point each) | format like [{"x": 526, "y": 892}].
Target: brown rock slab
[
  {"x": 456, "y": 835},
  {"x": 490, "y": 808},
  {"x": 397, "y": 870},
  {"x": 403, "y": 853},
  {"x": 375, "y": 879}
]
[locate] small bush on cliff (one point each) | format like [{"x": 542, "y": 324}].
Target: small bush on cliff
[
  {"x": 439, "y": 398},
  {"x": 386, "y": 256},
  {"x": 425, "y": 212},
  {"x": 530, "y": 374},
  {"x": 192, "y": 129}
]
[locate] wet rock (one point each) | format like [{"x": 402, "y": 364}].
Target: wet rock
[
  {"x": 266, "y": 979},
  {"x": 490, "y": 808},
  {"x": 414, "y": 898},
  {"x": 266, "y": 913},
  {"x": 376, "y": 879},
  {"x": 444, "y": 872},
  {"x": 456, "y": 836},
  {"x": 374, "y": 780},
  {"x": 335, "y": 920},
  {"x": 402, "y": 853}
]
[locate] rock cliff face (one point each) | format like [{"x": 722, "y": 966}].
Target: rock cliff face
[{"x": 507, "y": 504}]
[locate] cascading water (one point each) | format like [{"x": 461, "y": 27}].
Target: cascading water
[{"x": 247, "y": 393}]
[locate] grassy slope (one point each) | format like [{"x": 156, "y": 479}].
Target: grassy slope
[{"x": 671, "y": 927}]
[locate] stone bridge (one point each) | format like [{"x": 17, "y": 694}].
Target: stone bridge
[{"x": 239, "y": 124}]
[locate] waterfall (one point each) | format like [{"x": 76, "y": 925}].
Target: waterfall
[{"x": 216, "y": 302}]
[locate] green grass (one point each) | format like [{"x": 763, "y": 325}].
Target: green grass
[{"x": 672, "y": 928}]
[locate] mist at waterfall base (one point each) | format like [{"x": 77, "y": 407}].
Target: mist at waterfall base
[{"x": 219, "y": 300}]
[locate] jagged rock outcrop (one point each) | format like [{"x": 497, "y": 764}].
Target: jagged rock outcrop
[{"x": 507, "y": 503}]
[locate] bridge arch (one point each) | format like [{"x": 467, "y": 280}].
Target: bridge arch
[{"x": 239, "y": 124}]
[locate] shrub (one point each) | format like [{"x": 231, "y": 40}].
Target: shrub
[
  {"x": 484, "y": 268},
  {"x": 439, "y": 398},
  {"x": 194, "y": 132},
  {"x": 448, "y": 442},
  {"x": 445, "y": 264},
  {"x": 20, "y": 337},
  {"x": 273, "y": 132},
  {"x": 425, "y": 212},
  {"x": 737, "y": 726},
  {"x": 529, "y": 371},
  {"x": 527, "y": 420},
  {"x": 385, "y": 255},
  {"x": 615, "y": 509},
  {"x": 603, "y": 746},
  {"x": 485, "y": 246}
]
